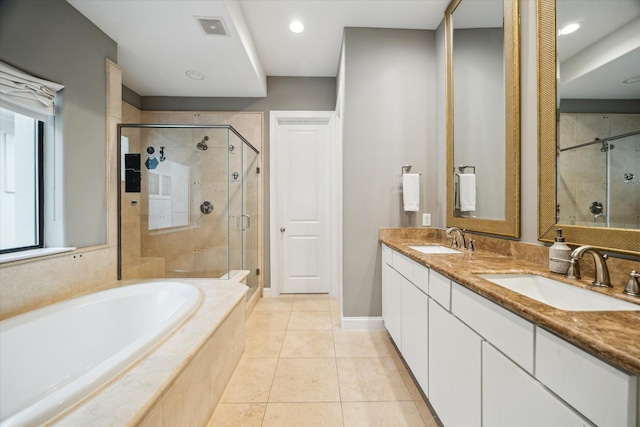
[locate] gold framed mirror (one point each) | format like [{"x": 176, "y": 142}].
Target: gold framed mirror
[
  {"x": 622, "y": 240},
  {"x": 495, "y": 184}
]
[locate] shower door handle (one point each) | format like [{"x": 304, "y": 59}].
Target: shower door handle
[{"x": 241, "y": 222}]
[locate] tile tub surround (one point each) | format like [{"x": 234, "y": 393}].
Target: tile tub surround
[
  {"x": 613, "y": 336},
  {"x": 181, "y": 380}
]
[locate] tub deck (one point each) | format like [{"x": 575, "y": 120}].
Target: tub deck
[{"x": 172, "y": 383}]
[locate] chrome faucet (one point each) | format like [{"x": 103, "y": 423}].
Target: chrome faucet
[
  {"x": 458, "y": 237},
  {"x": 602, "y": 272}
]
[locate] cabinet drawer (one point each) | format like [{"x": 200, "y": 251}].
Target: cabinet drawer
[
  {"x": 403, "y": 264},
  {"x": 604, "y": 394},
  {"x": 509, "y": 332},
  {"x": 440, "y": 289},
  {"x": 420, "y": 277},
  {"x": 387, "y": 257}
]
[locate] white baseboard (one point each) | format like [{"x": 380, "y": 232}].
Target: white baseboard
[{"x": 362, "y": 323}]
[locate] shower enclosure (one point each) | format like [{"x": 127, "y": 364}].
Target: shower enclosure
[
  {"x": 188, "y": 202},
  {"x": 598, "y": 180}
]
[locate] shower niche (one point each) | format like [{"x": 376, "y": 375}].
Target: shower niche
[
  {"x": 194, "y": 212},
  {"x": 598, "y": 164}
]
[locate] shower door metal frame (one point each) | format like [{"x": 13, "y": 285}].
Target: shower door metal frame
[{"x": 119, "y": 171}]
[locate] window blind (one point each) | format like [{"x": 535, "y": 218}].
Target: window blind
[{"x": 26, "y": 91}]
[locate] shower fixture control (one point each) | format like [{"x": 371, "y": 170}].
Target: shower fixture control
[{"x": 206, "y": 207}]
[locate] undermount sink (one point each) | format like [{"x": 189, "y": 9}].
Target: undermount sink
[
  {"x": 434, "y": 249},
  {"x": 559, "y": 294}
]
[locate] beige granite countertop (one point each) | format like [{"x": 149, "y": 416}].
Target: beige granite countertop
[{"x": 614, "y": 336}]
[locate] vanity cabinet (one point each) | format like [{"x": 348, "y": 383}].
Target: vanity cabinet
[
  {"x": 392, "y": 302},
  {"x": 454, "y": 369},
  {"x": 404, "y": 310},
  {"x": 511, "y": 397},
  {"x": 602, "y": 393},
  {"x": 481, "y": 364},
  {"x": 509, "y": 332},
  {"x": 415, "y": 329}
]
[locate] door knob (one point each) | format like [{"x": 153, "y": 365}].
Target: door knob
[{"x": 282, "y": 229}]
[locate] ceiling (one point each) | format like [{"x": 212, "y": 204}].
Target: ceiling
[
  {"x": 160, "y": 40},
  {"x": 603, "y": 52}
]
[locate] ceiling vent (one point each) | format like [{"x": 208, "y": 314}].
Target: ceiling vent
[{"x": 212, "y": 26}]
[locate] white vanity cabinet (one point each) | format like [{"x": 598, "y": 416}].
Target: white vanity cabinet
[
  {"x": 414, "y": 329},
  {"x": 511, "y": 397},
  {"x": 483, "y": 365},
  {"x": 603, "y": 393},
  {"x": 512, "y": 334},
  {"x": 404, "y": 310},
  {"x": 392, "y": 300},
  {"x": 454, "y": 369}
]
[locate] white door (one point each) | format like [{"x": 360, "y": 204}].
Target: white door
[{"x": 301, "y": 170}]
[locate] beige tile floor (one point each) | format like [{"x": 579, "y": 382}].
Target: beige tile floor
[{"x": 300, "y": 369}]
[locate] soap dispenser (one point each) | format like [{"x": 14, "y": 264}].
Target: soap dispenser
[{"x": 559, "y": 255}]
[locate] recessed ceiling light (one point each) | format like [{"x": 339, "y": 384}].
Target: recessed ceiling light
[
  {"x": 568, "y": 29},
  {"x": 296, "y": 27},
  {"x": 195, "y": 75},
  {"x": 634, "y": 79}
]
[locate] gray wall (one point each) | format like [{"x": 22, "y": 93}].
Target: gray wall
[
  {"x": 479, "y": 111},
  {"x": 389, "y": 120},
  {"x": 283, "y": 93},
  {"x": 52, "y": 40}
]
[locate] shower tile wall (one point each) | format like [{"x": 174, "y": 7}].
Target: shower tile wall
[
  {"x": 190, "y": 251},
  {"x": 582, "y": 172},
  {"x": 134, "y": 266}
]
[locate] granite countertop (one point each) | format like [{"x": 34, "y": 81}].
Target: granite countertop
[{"x": 614, "y": 336}]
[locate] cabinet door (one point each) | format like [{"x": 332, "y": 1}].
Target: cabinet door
[
  {"x": 454, "y": 369},
  {"x": 604, "y": 394},
  {"x": 414, "y": 331},
  {"x": 392, "y": 302},
  {"x": 511, "y": 397}
]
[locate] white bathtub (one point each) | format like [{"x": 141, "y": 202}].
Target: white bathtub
[{"x": 53, "y": 357}]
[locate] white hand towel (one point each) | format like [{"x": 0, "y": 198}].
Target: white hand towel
[
  {"x": 467, "y": 188},
  {"x": 411, "y": 191}
]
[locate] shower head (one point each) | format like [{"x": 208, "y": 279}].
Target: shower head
[{"x": 202, "y": 145}]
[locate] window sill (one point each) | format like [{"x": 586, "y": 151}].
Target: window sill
[{"x": 33, "y": 253}]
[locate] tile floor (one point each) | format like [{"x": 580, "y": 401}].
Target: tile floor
[{"x": 300, "y": 369}]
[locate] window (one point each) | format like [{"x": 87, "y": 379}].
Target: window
[{"x": 21, "y": 181}]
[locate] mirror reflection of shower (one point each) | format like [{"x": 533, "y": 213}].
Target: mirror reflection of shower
[
  {"x": 598, "y": 160},
  {"x": 202, "y": 145},
  {"x": 596, "y": 209}
]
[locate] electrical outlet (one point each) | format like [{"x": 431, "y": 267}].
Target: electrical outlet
[{"x": 426, "y": 219}]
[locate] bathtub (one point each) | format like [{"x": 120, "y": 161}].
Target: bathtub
[{"x": 53, "y": 357}]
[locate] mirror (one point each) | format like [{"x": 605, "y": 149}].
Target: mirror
[
  {"x": 585, "y": 184},
  {"x": 598, "y": 93},
  {"x": 483, "y": 123}
]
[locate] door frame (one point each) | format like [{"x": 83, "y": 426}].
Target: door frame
[{"x": 335, "y": 196}]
